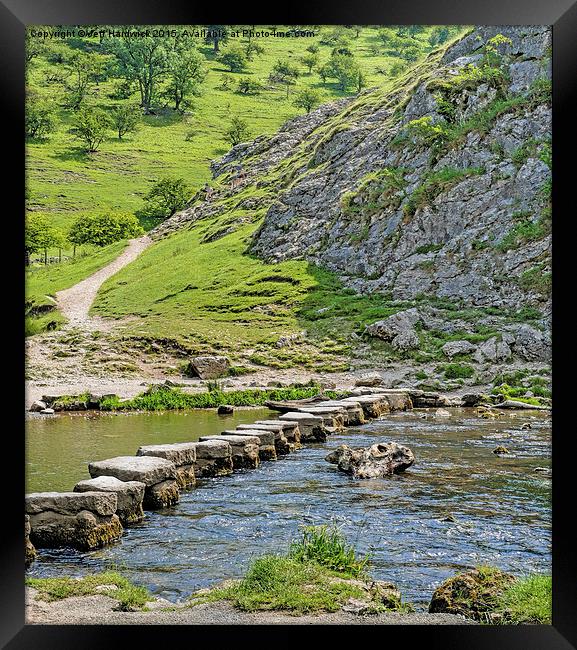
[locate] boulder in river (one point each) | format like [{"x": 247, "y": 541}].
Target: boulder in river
[
  {"x": 130, "y": 495},
  {"x": 381, "y": 459},
  {"x": 84, "y": 521},
  {"x": 158, "y": 474},
  {"x": 472, "y": 594},
  {"x": 29, "y": 550}
]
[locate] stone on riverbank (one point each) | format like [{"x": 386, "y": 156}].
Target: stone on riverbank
[
  {"x": 209, "y": 367},
  {"x": 514, "y": 404},
  {"x": 213, "y": 458},
  {"x": 266, "y": 446},
  {"x": 182, "y": 454},
  {"x": 311, "y": 427},
  {"x": 245, "y": 449},
  {"x": 158, "y": 474},
  {"x": 225, "y": 409},
  {"x": 84, "y": 521},
  {"x": 29, "y": 550},
  {"x": 471, "y": 594},
  {"x": 38, "y": 406},
  {"x": 130, "y": 495},
  {"x": 381, "y": 459}
]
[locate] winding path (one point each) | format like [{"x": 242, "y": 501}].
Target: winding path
[{"x": 75, "y": 303}]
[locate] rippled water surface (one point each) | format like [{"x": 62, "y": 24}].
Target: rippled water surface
[{"x": 458, "y": 506}]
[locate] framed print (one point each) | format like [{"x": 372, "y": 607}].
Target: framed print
[{"x": 289, "y": 317}]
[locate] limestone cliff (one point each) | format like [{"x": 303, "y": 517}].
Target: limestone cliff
[{"x": 439, "y": 186}]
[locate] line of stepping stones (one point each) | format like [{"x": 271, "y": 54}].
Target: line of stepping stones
[{"x": 121, "y": 488}]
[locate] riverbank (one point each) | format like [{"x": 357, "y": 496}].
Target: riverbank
[{"x": 100, "y": 610}]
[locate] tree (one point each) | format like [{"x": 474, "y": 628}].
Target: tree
[
  {"x": 438, "y": 35},
  {"x": 238, "y": 131},
  {"x": 104, "y": 229},
  {"x": 124, "y": 118},
  {"x": 248, "y": 87},
  {"x": 186, "y": 73},
  {"x": 144, "y": 60},
  {"x": 309, "y": 60},
  {"x": 344, "y": 69},
  {"x": 307, "y": 99},
  {"x": 285, "y": 73},
  {"x": 216, "y": 34},
  {"x": 361, "y": 80},
  {"x": 90, "y": 126},
  {"x": 234, "y": 59},
  {"x": 84, "y": 68},
  {"x": 40, "y": 118},
  {"x": 39, "y": 235},
  {"x": 167, "y": 196}
]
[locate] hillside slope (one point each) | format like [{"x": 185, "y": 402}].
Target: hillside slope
[{"x": 432, "y": 197}]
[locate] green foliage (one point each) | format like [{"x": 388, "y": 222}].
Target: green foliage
[
  {"x": 247, "y": 86},
  {"x": 165, "y": 197},
  {"x": 40, "y": 235},
  {"x": 234, "y": 59},
  {"x": 165, "y": 398},
  {"x": 537, "y": 279},
  {"x": 186, "y": 72},
  {"x": 104, "y": 229},
  {"x": 124, "y": 118},
  {"x": 40, "y": 117},
  {"x": 307, "y": 99},
  {"x": 344, "y": 69},
  {"x": 380, "y": 190},
  {"x": 310, "y": 60},
  {"x": 127, "y": 594},
  {"x": 456, "y": 370},
  {"x": 238, "y": 131},
  {"x": 90, "y": 126},
  {"x": 328, "y": 547}
]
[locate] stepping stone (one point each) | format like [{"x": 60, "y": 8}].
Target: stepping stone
[
  {"x": 282, "y": 445},
  {"x": 244, "y": 449},
  {"x": 213, "y": 458},
  {"x": 130, "y": 495},
  {"x": 266, "y": 448},
  {"x": 84, "y": 520},
  {"x": 182, "y": 454},
  {"x": 311, "y": 427},
  {"x": 158, "y": 474}
]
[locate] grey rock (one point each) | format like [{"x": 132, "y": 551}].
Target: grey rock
[
  {"x": 38, "y": 406},
  {"x": 493, "y": 350},
  {"x": 130, "y": 495},
  {"x": 407, "y": 340},
  {"x": 391, "y": 327},
  {"x": 453, "y": 348},
  {"x": 210, "y": 367},
  {"x": 381, "y": 459}
]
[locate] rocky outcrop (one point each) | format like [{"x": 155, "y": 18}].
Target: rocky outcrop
[
  {"x": 159, "y": 476},
  {"x": 472, "y": 594},
  {"x": 81, "y": 520},
  {"x": 381, "y": 459},
  {"x": 130, "y": 495},
  {"x": 398, "y": 329}
]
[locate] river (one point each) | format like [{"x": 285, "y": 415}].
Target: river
[{"x": 458, "y": 506}]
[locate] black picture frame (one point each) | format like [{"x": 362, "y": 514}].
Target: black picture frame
[{"x": 15, "y": 15}]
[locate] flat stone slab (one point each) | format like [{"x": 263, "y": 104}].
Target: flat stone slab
[
  {"x": 71, "y": 503},
  {"x": 213, "y": 458},
  {"x": 149, "y": 470},
  {"x": 283, "y": 424},
  {"x": 245, "y": 449},
  {"x": 311, "y": 427},
  {"x": 179, "y": 453},
  {"x": 267, "y": 448},
  {"x": 82, "y": 520},
  {"x": 130, "y": 495},
  {"x": 301, "y": 418},
  {"x": 281, "y": 436}
]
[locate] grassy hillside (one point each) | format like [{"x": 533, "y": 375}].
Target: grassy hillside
[{"x": 65, "y": 182}]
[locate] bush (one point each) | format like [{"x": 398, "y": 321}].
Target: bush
[
  {"x": 456, "y": 371},
  {"x": 104, "y": 229},
  {"x": 90, "y": 126},
  {"x": 166, "y": 196},
  {"x": 40, "y": 118}
]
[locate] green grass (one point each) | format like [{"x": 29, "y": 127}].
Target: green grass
[
  {"x": 127, "y": 594},
  {"x": 315, "y": 575},
  {"x": 65, "y": 182},
  {"x": 528, "y": 601},
  {"x": 165, "y": 398},
  {"x": 456, "y": 370},
  {"x": 327, "y": 547},
  {"x": 44, "y": 281}
]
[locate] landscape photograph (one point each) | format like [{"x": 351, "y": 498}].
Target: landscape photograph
[{"x": 288, "y": 324}]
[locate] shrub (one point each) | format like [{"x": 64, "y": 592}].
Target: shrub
[
  {"x": 104, "y": 229},
  {"x": 456, "y": 371}
]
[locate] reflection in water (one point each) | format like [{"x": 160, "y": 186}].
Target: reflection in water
[{"x": 458, "y": 506}]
